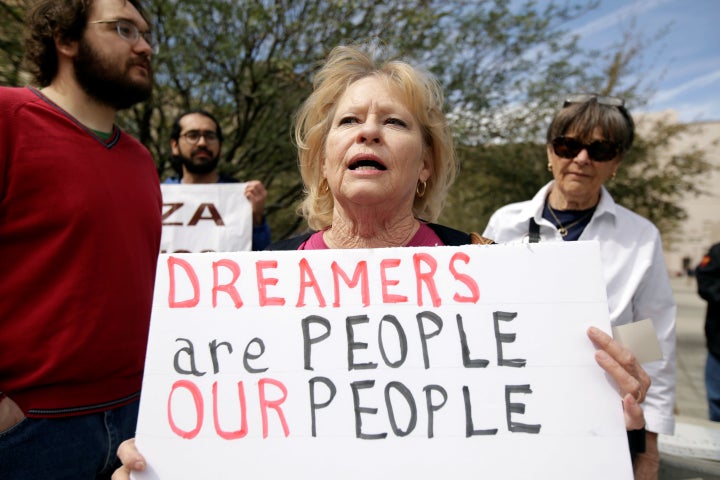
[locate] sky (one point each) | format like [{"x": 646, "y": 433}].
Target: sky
[{"x": 684, "y": 64}]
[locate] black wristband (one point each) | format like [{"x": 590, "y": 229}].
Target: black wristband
[{"x": 636, "y": 440}]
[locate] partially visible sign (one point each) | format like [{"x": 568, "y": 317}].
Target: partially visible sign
[
  {"x": 206, "y": 218},
  {"x": 446, "y": 362}
]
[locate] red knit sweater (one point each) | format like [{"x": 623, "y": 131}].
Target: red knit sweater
[{"x": 79, "y": 237}]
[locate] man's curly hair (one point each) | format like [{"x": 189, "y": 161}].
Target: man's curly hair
[{"x": 50, "y": 19}]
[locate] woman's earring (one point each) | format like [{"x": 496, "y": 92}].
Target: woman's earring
[
  {"x": 549, "y": 166},
  {"x": 324, "y": 186},
  {"x": 420, "y": 189}
]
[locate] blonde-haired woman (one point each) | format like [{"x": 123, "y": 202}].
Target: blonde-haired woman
[{"x": 375, "y": 154}]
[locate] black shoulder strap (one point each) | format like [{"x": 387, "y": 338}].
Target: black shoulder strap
[
  {"x": 291, "y": 243},
  {"x": 534, "y": 231},
  {"x": 450, "y": 236}
]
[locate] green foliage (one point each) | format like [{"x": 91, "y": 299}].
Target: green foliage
[
  {"x": 652, "y": 183},
  {"x": 493, "y": 176},
  {"x": 504, "y": 67},
  {"x": 251, "y": 64},
  {"x": 11, "y": 41}
]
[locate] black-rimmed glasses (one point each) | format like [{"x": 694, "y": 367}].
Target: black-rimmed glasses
[
  {"x": 193, "y": 136},
  {"x": 598, "y": 151},
  {"x": 129, "y": 32}
]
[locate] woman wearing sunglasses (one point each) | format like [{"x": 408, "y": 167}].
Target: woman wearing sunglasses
[{"x": 586, "y": 142}]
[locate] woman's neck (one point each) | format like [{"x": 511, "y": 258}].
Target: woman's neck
[
  {"x": 370, "y": 233},
  {"x": 560, "y": 201}
]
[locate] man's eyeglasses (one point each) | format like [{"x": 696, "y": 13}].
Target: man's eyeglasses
[
  {"x": 130, "y": 32},
  {"x": 193, "y": 136},
  {"x": 588, "y": 97},
  {"x": 599, "y": 150}
]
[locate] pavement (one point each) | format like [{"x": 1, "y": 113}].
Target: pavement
[
  {"x": 691, "y": 350},
  {"x": 693, "y": 453}
]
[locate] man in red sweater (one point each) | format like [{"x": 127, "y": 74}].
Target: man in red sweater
[{"x": 80, "y": 226}]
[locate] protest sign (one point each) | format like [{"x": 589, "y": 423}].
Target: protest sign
[
  {"x": 445, "y": 362},
  {"x": 214, "y": 217}
]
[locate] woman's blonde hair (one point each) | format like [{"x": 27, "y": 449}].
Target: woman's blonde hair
[{"x": 420, "y": 93}]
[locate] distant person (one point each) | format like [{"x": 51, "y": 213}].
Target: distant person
[
  {"x": 586, "y": 141},
  {"x": 196, "y": 142},
  {"x": 708, "y": 280},
  {"x": 687, "y": 266},
  {"x": 80, "y": 226},
  {"x": 687, "y": 269}
]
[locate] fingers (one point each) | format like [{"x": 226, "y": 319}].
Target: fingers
[
  {"x": 10, "y": 414},
  {"x": 604, "y": 341},
  {"x": 122, "y": 473},
  {"x": 631, "y": 379},
  {"x": 628, "y": 379},
  {"x": 130, "y": 458},
  {"x": 255, "y": 192},
  {"x": 634, "y": 417},
  {"x": 620, "y": 364}
]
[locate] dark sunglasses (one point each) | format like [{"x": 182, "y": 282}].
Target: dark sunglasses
[{"x": 599, "y": 150}]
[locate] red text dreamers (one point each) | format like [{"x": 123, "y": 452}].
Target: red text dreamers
[{"x": 418, "y": 279}]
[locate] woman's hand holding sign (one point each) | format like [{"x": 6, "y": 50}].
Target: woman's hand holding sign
[
  {"x": 131, "y": 460},
  {"x": 633, "y": 382}
]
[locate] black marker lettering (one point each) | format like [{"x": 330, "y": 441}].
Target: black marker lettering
[
  {"x": 501, "y": 338},
  {"x": 425, "y": 336},
  {"x": 511, "y": 408},
  {"x": 314, "y": 406},
  {"x": 307, "y": 341},
  {"x": 356, "y": 387}
]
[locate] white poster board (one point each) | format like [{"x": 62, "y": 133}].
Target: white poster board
[
  {"x": 214, "y": 217},
  {"x": 446, "y": 362}
]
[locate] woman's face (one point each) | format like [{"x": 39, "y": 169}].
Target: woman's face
[
  {"x": 581, "y": 177},
  {"x": 374, "y": 152}
]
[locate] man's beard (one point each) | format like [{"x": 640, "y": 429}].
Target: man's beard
[
  {"x": 197, "y": 168},
  {"x": 108, "y": 82}
]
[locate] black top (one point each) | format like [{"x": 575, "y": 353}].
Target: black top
[{"x": 449, "y": 236}]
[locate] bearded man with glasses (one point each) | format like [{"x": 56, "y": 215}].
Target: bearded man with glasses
[
  {"x": 586, "y": 142},
  {"x": 196, "y": 142},
  {"x": 80, "y": 226}
]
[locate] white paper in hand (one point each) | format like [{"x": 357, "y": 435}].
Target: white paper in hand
[{"x": 640, "y": 338}]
